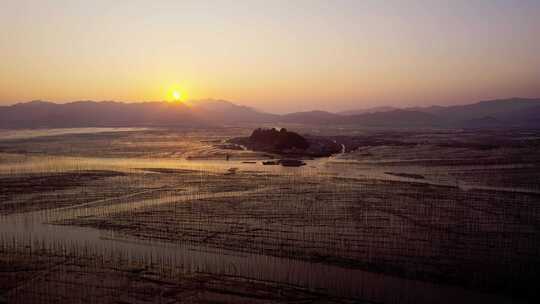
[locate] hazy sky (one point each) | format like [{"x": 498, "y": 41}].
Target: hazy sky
[{"x": 273, "y": 55}]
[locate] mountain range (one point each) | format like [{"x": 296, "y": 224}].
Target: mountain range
[{"x": 501, "y": 113}]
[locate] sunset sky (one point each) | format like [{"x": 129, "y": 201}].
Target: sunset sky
[{"x": 276, "y": 56}]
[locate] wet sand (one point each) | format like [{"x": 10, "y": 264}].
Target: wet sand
[{"x": 349, "y": 228}]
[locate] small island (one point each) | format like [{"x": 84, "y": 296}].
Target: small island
[{"x": 288, "y": 143}]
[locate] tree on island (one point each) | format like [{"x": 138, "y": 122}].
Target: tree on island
[{"x": 278, "y": 140}]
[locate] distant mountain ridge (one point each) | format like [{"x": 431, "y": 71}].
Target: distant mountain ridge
[
  {"x": 500, "y": 113},
  {"x": 368, "y": 110},
  {"x": 512, "y": 112},
  {"x": 42, "y": 114}
]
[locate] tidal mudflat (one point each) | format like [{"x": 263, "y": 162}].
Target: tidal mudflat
[{"x": 158, "y": 216}]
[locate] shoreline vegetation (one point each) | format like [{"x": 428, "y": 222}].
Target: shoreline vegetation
[{"x": 287, "y": 143}]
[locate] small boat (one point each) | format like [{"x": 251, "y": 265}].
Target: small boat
[
  {"x": 270, "y": 163},
  {"x": 291, "y": 162}
]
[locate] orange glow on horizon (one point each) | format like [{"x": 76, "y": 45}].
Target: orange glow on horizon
[{"x": 275, "y": 56}]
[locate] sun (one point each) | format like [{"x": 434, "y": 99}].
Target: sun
[{"x": 176, "y": 95}]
